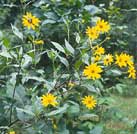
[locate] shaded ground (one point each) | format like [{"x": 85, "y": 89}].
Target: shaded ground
[{"x": 122, "y": 121}]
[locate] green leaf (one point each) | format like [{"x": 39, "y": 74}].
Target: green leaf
[
  {"x": 116, "y": 72},
  {"x": 69, "y": 47},
  {"x": 60, "y": 110},
  {"x": 26, "y": 78},
  {"x": 5, "y": 54},
  {"x": 85, "y": 58},
  {"x": 88, "y": 84},
  {"x": 77, "y": 38},
  {"x": 17, "y": 32},
  {"x": 97, "y": 130},
  {"x": 64, "y": 61},
  {"x": 92, "y": 117},
  {"x": 25, "y": 111},
  {"x": 73, "y": 109},
  {"x": 1, "y": 35},
  {"x": 19, "y": 93},
  {"x": 48, "y": 21},
  {"x": 25, "y": 114},
  {"x": 92, "y": 9},
  {"x": 120, "y": 88},
  {"x": 58, "y": 46},
  {"x": 27, "y": 61},
  {"x": 62, "y": 127}
]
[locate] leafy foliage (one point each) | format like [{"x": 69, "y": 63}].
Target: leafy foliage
[{"x": 29, "y": 70}]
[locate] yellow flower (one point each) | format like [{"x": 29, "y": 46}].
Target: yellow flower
[
  {"x": 97, "y": 58},
  {"x": 108, "y": 59},
  {"x": 102, "y": 26},
  {"x": 92, "y": 71},
  {"x": 128, "y": 59},
  {"x": 12, "y": 132},
  {"x": 98, "y": 50},
  {"x": 38, "y": 42},
  {"x": 132, "y": 72},
  {"x": 54, "y": 124},
  {"x": 71, "y": 84},
  {"x": 123, "y": 60},
  {"x": 92, "y": 33},
  {"x": 48, "y": 99},
  {"x": 30, "y": 21},
  {"x": 89, "y": 102}
]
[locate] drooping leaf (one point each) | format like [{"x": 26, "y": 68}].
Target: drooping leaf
[
  {"x": 58, "y": 46},
  {"x": 17, "y": 32},
  {"x": 64, "y": 61},
  {"x": 69, "y": 47}
]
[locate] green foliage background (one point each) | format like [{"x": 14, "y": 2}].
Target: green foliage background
[{"x": 27, "y": 72}]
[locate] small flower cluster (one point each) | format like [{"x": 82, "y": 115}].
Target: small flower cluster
[
  {"x": 93, "y": 70},
  {"x": 50, "y": 100},
  {"x": 99, "y": 52},
  {"x": 100, "y": 27},
  {"x": 126, "y": 60}
]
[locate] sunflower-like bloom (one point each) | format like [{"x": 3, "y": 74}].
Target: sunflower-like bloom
[
  {"x": 30, "y": 21},
  {"x": 92, "y": 71},
  {"x": 123, "y": 60},
  {"x": 132, "y": 72},
  {"x": 128, "y": 59},
  {"x": 102, "y": 26},
  {"x": 92, "y": 33},
  {"x": 89, "y": 102},
  {"x": 38, "y": 42},
  {"x": 12, "y": 132},
  {"x": 98, "y": 50},
  {"x": 108, "y": 59},
  {"x": 48, "y": 99}
]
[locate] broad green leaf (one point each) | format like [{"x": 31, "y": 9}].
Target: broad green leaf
[
  {"x": 97, "y": 130},
  {"x": 120, "y": 87},
  {"x": 92, "y": 117},
  {"x": 77, "y": 65},
  {"x": 60, "y": 110},
  {"x": 92, "y": 9},
  {"x": 85, "y": 58},
  {"x": 69, "y": 47},
  {"x": 5, "y": 54},
  {"x": 62, "y": 128},
  {"x": 25, "y": 111},
  {"x": 17, "y": 32},
  {"x": 19, "y": 95},
  {"x": 116, "y": 72},
  {"x": 58, "y": 46},
  {"x": 48, "y": 21},
  {"x": 27, "y": 61},
  {"x": 25, "y": 114},
  {"x": 64, "y": 61},
  {"x": 26, "y": 78},
  {"x": 73, "y": 110}
]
